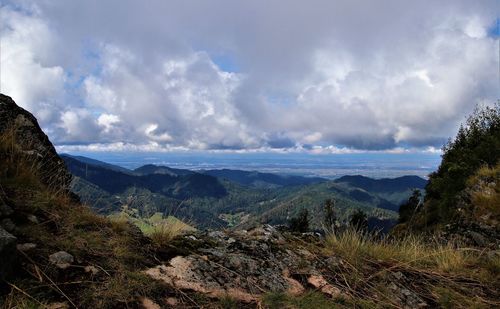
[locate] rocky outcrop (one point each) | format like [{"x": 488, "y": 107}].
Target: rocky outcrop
[
  {"x": 7, "y": 240},
  {"x": 34, "y": 143},
  {"x": 7, "y": 252},
  {"x": 19, "y": 127},
  {"x": 244, "y": 265}
]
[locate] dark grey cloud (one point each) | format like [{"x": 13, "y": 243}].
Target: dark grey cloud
[{"x": 353, "y": 74}]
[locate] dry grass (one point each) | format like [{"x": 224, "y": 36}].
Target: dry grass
[
  {"x": 160, "y": 230},
  {"x": 485, "y": 195},
  {"x": 444, "y": 275},
  {"x": 116, "y": 249},
  {"x": 308, "y": 300},
  {"x": 356, "y": 247},
  {"x": 15, "y": 167},
  {"x": 163, "y": 233}
]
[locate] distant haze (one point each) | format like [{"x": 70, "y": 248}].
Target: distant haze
[{"x": 328, "y": 166}]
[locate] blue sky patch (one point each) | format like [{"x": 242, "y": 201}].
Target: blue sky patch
[{"x": 226, "y": 63}]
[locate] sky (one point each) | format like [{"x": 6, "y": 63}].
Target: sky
[{"x": 250, "y": 76}]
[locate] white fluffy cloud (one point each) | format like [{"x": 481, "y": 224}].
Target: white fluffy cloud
[
  {"x": 321, "y": 76},
  {"x": 183, "y": 101},
  {"x": 26, "y": 71}
]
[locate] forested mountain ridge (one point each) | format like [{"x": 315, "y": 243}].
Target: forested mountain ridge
[
  {"x": 218, "y": 198},
  {"x": 383, "y": 185},
  {"x": 258, "y": 179},
  {"x": 113, "y": 181}
]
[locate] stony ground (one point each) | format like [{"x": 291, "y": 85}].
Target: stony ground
[{"x": 247, "y": 266}]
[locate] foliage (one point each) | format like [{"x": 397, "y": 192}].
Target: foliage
[
  {"x": 300, "y": 223},
  {"x": 313, "y": 197},
  {"x": 359, "y": 220},
  {"x": 477, "y": 144},
  {"x": 410, "y": 208},
  {"x": 330, "y": 219},
  {"x": 247, "y": 201}
]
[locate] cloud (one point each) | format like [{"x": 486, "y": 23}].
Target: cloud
[
  {"x": 183, "y": 101},
  {"x": 26, "y": 72},
  {"x": 321, "y": 76}
]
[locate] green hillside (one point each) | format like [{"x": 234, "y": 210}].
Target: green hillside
[
  {"x": 230, "y": 198},
  {"x": 472, "y": 154}
]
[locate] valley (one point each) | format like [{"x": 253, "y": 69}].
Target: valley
[{"x": 234, "y": 198}]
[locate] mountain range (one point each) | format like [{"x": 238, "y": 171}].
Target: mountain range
[{"x": 233, "y": 198}]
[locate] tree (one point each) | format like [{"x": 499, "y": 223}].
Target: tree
[
  {"x": 477, "y": 144},
  {"x": 359, "y": 220},
  {"x": 410, "y": 207},
  {"x": 330, "y": 219},
  {"x": 300, "y": 223}
]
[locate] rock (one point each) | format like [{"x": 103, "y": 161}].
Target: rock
[
  {"x": 61, "y": 259},
  {"x": 91, "y": 269},
  {"x": 7, "y": 252},
  {"x": 5, "y": 210},
  {"x": 242, "y": 266},
  {"x": 171, "y": 301},
  {"x": 34, "y": 144},
  {"x": 295, "y": 288},
  {"x": 479, "y": 239},
  {"x": 321, "y": 284},
  {"x": 147, "y": 303},
  {"x": 334, "y": 261},
  {"x": 33, "y": 219},
  {"x": 62, "y": 305},
  {"x": 8, "y": 225},
  {"x": 305, "y": 253},
  {"x": 26, "y": 246},
  {"x": 406, "y": 298},
  {"x": 217, "y": 235},
  {"x": 398, "y": 275},
  {"x": 182, "y": 275}
]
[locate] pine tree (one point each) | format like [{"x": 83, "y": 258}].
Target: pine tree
[
  {"x": 359, "y": 220},
  {"x": 330, "y": 219},
  {"x": 300, "y": 223},
  {"x": 410, "y": 207}
]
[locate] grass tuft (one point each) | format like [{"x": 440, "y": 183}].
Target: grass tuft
[
  {"x": 453, "y": 276},
  {"x": 163, "y": 234},
  {"x": 357, "y": 247}
]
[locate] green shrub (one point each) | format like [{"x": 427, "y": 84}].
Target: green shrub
[
  {"x": 359, "y": 220},
  {"x": 408, "y": 210},
  {"x": 300, "y": 223},
  {"x": 476, "y": 145}
]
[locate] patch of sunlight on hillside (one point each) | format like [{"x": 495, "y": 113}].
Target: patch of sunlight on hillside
[{"x": 154, "y": 223}]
